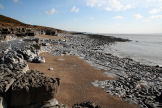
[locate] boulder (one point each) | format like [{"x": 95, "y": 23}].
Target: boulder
[
  {"x": 30, "y": 34},
  {"x": 39, "y": 59},
  {"x": 28, "y": 54},
  {"x": 45, "y": 44},
  {"x": 51, "y": 103},
  {"x": 51, "y": 32},
  {"x": 13, "y": 61},
  {"x": 5, "y": 31},
  {"x": 9, "y": 37},
  {"x": 50, "y": 69},
  {"x": 32, "y": 89}
]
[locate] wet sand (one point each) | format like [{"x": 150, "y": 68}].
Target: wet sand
[{"x": 76, "y": 76}]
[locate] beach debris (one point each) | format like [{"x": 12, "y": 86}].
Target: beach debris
[{"x": 50, "y": 69}]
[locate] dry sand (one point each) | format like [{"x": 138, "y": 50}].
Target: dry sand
[{"x": 76, "y": 76}]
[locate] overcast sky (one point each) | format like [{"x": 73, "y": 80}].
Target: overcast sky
[{"x": 97, "y": 16}]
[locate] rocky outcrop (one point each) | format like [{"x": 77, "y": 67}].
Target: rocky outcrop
[
  {"x": 50, "y": 32},
  {"x": 19, "y": 86},
  {"x": 13, "y": 61},
  {"x": 23, "y": 32},
  {"x": 17, "y": 31},
  {"x": 39, "y": 59},
  {"x": 31, "y": 89},
  {"x": 25, "y": 90}
]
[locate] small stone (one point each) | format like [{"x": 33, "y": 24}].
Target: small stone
[
  {"x": 38, "y": 59},
  {"x": 51, "y": 69}
]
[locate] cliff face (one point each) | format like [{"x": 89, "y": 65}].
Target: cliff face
[
  {"x": 11, "y": 28},
  {"x": 7, "y": 33}
]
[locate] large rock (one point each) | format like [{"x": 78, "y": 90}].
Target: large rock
[
  {"x": 13, "y": 61},
  {"x": 51, "y": 32},
  {"x": 32, "y": 89},
  {"x": 39, "y": 59},
  {"x": 28, "y": 55}
]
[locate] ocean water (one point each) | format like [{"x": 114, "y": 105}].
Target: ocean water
[{"x": 144, "y": 48}]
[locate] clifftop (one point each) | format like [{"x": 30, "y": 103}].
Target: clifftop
[{"x": 9, "y": 21}]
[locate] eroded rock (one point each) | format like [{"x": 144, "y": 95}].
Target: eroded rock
[
  {"x": 13, "y": 61},
  {"x": 32, "y": 88}
]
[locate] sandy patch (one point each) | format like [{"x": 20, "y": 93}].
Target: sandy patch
[
  {"x": 76, "y": 76},
  {"x": 51, "y": 37}
]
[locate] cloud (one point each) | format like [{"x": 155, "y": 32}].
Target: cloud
[
  {"x": 15, "y": 1},
  {"x": 123, "y": 5},
  {"x": 108, "y": 9},
  {"x": 1, "y": 6},
  {"x": 118, "y": 17},
  {"x": 95, "y": 3},
  {"x": 156, "y": 17},
  {"x": 51, "y": 12},
  {"x": 74, "y": 9},
  {"x": 153, "y": 17},
  {"x": 91, "y": 18},
  {"x": 116, "y": 5},
  {"x": 128, "y": 7},
  {"x": 154, "y": 11},
  {"x": 138, "y": 16}
]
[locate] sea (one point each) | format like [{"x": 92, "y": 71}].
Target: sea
[{"x": 143, "y": 48}]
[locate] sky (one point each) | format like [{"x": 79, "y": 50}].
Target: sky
[{"x": 96, "y": 16}]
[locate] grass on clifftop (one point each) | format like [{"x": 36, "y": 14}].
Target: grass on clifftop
[
  {"x": 10, "y": 22},
  {"x": 5, "y": 19}
]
